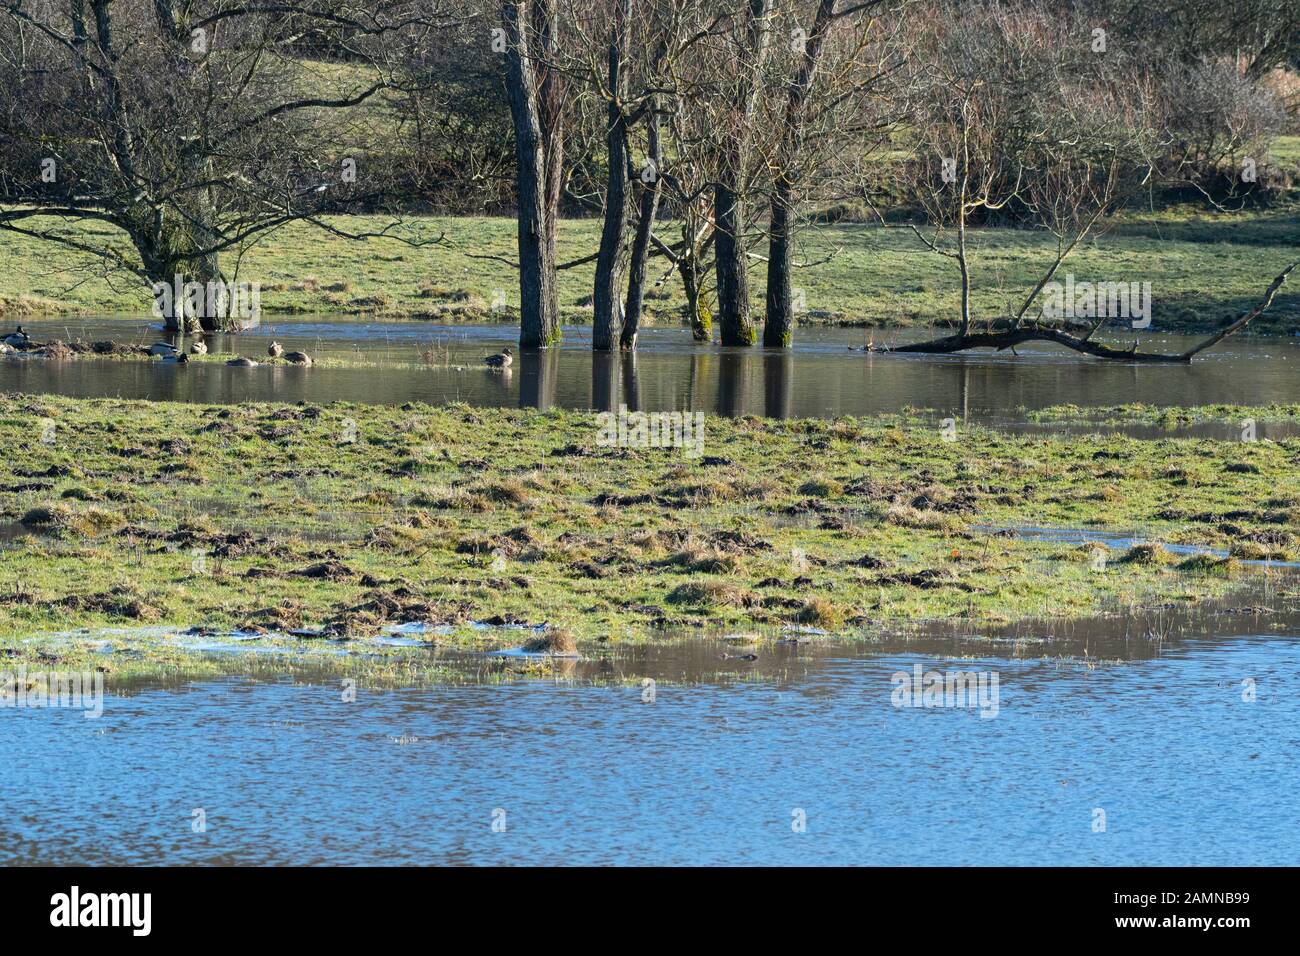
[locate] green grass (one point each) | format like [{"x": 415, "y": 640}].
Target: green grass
[
  {"x": 1202, "y": 266},
  {"x": 1286, "y": 151},
  {"x": 138, "y": 513},
  {"x": 1164, "y": 416}
]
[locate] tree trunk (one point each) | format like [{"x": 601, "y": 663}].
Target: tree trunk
[
  {"x": 736, "y": 323},
  {"x": 550, "y": 95},
  {"x": 539, "y": 309},
  {"x": 606, "y": 298},
  {"x": 778, "y": 323},
  {"x": 645, "y": 224},
  {"x": 700, "y": 318},
  {"x": 730, "y": 263}
]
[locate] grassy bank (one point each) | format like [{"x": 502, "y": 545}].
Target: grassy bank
[
  {"x": 353, "y": 518},
  {"x": 1203, "y": 266}
]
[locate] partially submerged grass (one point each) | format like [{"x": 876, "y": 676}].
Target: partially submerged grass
[
  {"x": 261, "y": 517},
  {"x": 1163, "y": 415}
]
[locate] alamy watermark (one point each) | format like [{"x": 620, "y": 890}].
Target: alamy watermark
[
  {"x": 1089, "y": 300},
  {"x": 968, "y": 689},
  {"x": 207, "y": 300},
  {"x": 76, "y": 690},
  {"x": 624, "y": 429}
]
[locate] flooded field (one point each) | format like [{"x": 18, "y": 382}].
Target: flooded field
[
  {"x": 1161, "y": 733},
  {"x": 1175, "y": 729},
  {"x": 820, "y": 377}
]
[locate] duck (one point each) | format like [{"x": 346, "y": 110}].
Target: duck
[
  {"x": 501, "y": 360},
  {"x": 164, "y": 349},
  {"x": 275, "y": 350},
  {"x": 297, "y": 358},
  {"x": 19, "y": 339},
  {"x": 199, "y": 348},
  {"x": 178, "y": 359},
  {"x": 242, "y": 362}
]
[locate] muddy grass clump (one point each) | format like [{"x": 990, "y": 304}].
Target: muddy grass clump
[
  {"x": 555, "y": 641},
  {"x": 396, "y": 537},
  {"x": 509, "y": 492},
  {"x": 926, "y": 579},
  {"x": 714, "y": 491},
  {"x": 1211, "y": 564},
  {"x": 123, "y": 601},
  {"x": 705, "y": 560},
  {"x": 822, "y": 487},
  {"x": 1089, "y": 552},
  {"x": 285, "y": 616},
  {"x": 1147, "y": 554},
  {"x": 452, "y": 499},
  {"x": 504, "y": 545},
  {"x": 873, "y": 489},
  {"x": 381, "y": 607},
  {"x": 819, "y": 612},
  {"x": 740, "y": 542},
  {"x": 1248, "y": 550},
  {"x": 937, "y": 497},
  {"x": 61, "y": 521},
  {"x": 327, "y": 571},
  {"x": 906, "y": 516},
  {"x": 713, "y": 594}
]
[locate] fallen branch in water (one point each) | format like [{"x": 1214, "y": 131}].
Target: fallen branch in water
[{"x": 1020, "y": 334}]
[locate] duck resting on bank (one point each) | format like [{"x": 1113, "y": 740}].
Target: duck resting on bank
[
  {"x": 242, "y": 362},
  {"x": 297, "y": 358},
  {"x": 164, "y": 349},
  {"x": 501, "y": 360},
  {"x": 275, "y": 350},
  {"x": 19, "y": 339},
  {"x": 199, "y": 347}
]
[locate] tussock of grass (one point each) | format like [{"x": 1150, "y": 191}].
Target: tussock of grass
[
  {"x": 712, "y": 594},
  {"x": 822, "y": 487},
  {"x": 820, "y": 612},
  {"x": 1147, "y": 554},
  {"x": 905, "y": 516},
  {"x": 552, "y": 641},
  {"x": 61, "y": 520},
  {"x": 1211, "y": 564}
]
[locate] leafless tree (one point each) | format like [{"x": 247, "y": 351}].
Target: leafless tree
[
  {"x": 1021, "y": 118},
  {"x": 185, "y": 126}
]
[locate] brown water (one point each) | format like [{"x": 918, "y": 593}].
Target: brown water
[{"x": 820, "y": 377}]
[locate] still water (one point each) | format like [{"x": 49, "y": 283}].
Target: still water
[
  {"x": 1140, "y": 716},
  {"x": 820, "y": 377}
]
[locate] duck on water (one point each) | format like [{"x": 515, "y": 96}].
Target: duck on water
[{"x": 502, "y": 359}]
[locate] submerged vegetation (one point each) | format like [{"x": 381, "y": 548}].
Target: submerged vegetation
[{"x": 342, "y": 521}]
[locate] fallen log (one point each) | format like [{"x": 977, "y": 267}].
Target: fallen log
[{"x": 1010, "y": 337}]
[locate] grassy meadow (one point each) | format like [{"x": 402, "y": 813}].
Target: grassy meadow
[
  {"x": 347, "y": 519},
  {"x": 1204, "y": 266}
]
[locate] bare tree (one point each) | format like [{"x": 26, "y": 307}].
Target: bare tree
[
  {"x": 185, "y": 126},
  {"x": 607, "y": 319},
  {"x": 823, "y": 113},
  {"x": 1021, "y": 120},
  {"x": 531, "y": 35}
]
